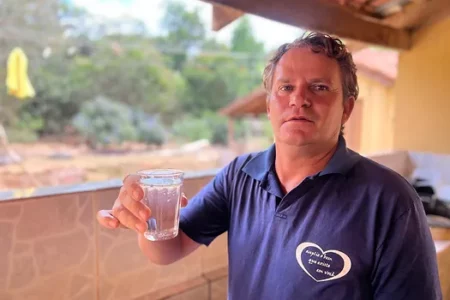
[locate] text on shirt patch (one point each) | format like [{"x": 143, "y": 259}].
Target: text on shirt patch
[{"x": 322, "y": 265}]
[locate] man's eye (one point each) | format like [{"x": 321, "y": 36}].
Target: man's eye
[
  {"x": 320, "y": 88},
  {"x": 286, "y": 88}
]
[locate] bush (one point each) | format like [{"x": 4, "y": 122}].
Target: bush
[
  {"x": 219, "y": 128},
  {"x": 189, "y": 129},
  {"x": 25, "y": 128},
  {"x": 149, "y": 129},
  {"x": 21, "y": 135},
  {"x": 209, "y": 125},
  {"x": 267, "y": 130},
  {"x": 105, "y": 122}
]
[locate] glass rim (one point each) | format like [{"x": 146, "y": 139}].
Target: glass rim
[{"x": 160, "y": 172}]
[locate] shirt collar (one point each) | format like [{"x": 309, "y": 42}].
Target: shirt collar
[{"x": 341, "y": 162}]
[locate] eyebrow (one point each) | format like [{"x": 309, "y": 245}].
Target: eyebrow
[
  {"x": 283, "y": 80},
  {"x": 314, "y": 80},
  {"x": 318, "y": 80}
]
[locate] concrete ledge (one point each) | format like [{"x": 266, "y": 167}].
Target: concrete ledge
[{"x": 84, "y": 187}]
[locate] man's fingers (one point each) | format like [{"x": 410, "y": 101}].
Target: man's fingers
[
  {"x": 106, "y": 219},
  {"x": 128, "y": 219},
  {"x": 138, "y": 209},
  {"x": 184, "y": 200},
  {"x": 131, "y": 185}
]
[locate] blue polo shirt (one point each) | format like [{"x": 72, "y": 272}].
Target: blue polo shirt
[{"x": 356, "y": 230}]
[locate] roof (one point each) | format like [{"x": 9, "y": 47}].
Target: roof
[
  {"x": 378, "y": 64},
  {"x": 389, "y": 23},
  {"x": 251, "y": 104}
]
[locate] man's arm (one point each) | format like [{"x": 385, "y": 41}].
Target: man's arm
[
  {"x": 405, "y": 263},
  {"x": 201, "y": 221},
  {"x": 167, "y": 252},
  {"x": 129, "y": 212}
]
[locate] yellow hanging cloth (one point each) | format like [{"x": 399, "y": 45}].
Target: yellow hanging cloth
[{"x": 17, "y": 81}]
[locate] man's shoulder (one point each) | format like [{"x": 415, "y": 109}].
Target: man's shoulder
[
  {"x": 380, "y": 179},
  {"x": 237, "y": 165}
]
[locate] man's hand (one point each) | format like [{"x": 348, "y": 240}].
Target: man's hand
[{"x": 128, "y": 211}]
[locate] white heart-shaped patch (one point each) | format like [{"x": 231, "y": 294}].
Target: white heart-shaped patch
[{"x": 323, "y": 262}]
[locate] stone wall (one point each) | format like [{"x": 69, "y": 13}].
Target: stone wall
[{"x": 52, "y": 248}]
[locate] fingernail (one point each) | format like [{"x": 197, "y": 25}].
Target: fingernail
[{"x": 143, "y": 215}]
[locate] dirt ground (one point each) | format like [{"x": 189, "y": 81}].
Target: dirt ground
[{"x": 50, "y": 164}]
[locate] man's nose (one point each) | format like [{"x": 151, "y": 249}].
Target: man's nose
[{"x": 300, "y": 98}]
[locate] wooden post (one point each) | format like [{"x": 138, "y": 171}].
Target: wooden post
[{"x": 231, "y": 141}]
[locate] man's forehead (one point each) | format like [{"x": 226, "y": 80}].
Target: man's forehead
[{"x": 303, "y": 60}]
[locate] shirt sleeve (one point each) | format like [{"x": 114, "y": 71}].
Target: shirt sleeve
[
  {"x": 406, "y": 263},
  {"x": 207, "y": 214}
]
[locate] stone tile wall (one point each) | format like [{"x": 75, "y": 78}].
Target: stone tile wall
[{"x": 52, "y": 248}]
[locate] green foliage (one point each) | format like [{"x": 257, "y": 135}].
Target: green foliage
[
  {"x": 137, "y": 76},
  {"x": 104, "y": 122},
  {"x": 19, "y": 135},
  {"x": 243, "y": 39},
  {"x": 24, "y": 128},
  {"x": 218, "y": 125},
  {"x": 189, "y": 129},
  {"x": 209, "y": 125},
  {"x": 149, "y": 129},
  {"x": 61, "y": 88},
  {"x": 267, "y": 129},
  {"x": 213, "y": 82},
  {"x": 182, "y": 76},
  {"x": 134, "y": 77},
  {"x": 184, "y": 32}
]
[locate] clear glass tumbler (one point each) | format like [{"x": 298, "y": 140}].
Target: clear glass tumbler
[{"x": 162, "y": 194}]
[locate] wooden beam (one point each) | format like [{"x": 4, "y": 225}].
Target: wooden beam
[
  {"x": 319, "y": 15},
  {"x": 231, "y": 142},
  {"x": 419, "y": 13},
  {"x": 224, "y": 15}
]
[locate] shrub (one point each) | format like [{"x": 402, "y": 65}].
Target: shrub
[
  {"x": 104, "y": 122},
  {"x": 189, "y": 129},
  {"x": 149, "y": 129}
]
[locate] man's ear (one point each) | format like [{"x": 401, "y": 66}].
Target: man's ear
[
  {"x": 268, "y": 106},
  {"x": 348, "y": 108}
]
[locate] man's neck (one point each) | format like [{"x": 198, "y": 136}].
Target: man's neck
[{"x": 293, "y": 163}]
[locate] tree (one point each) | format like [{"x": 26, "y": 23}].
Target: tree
[
  {"x": 183, "y": 33},
  {"x": 33, "y": 27},
  {"x": 127, "y": 69},
  {"x": 243, "y": 40}
]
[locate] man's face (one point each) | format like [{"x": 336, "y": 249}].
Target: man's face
[{"x": 306, "y": 104}]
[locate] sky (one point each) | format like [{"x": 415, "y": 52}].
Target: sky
[{"x": 271, "y": 33}]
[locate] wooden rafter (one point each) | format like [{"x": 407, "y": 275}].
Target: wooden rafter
[
  {"x": 224, "y": 15},
  {"x": 419, "y": 13},
  {"x": 320, "y": 15}
]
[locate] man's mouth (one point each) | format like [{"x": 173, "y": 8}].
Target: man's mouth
[{"x": 298, "y": 119}]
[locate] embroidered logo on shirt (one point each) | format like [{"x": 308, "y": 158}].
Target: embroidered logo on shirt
[{"x": 322, "y": 265}]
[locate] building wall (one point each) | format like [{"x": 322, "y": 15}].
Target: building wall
[
  {"x": 370, "y": 127},
  {"x": 422, "y": 92}
]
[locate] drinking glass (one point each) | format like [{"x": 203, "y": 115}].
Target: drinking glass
[{"x": 162, "y": 194}]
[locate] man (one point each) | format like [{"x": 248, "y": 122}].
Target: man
[{"x": 307, "y": 218}]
